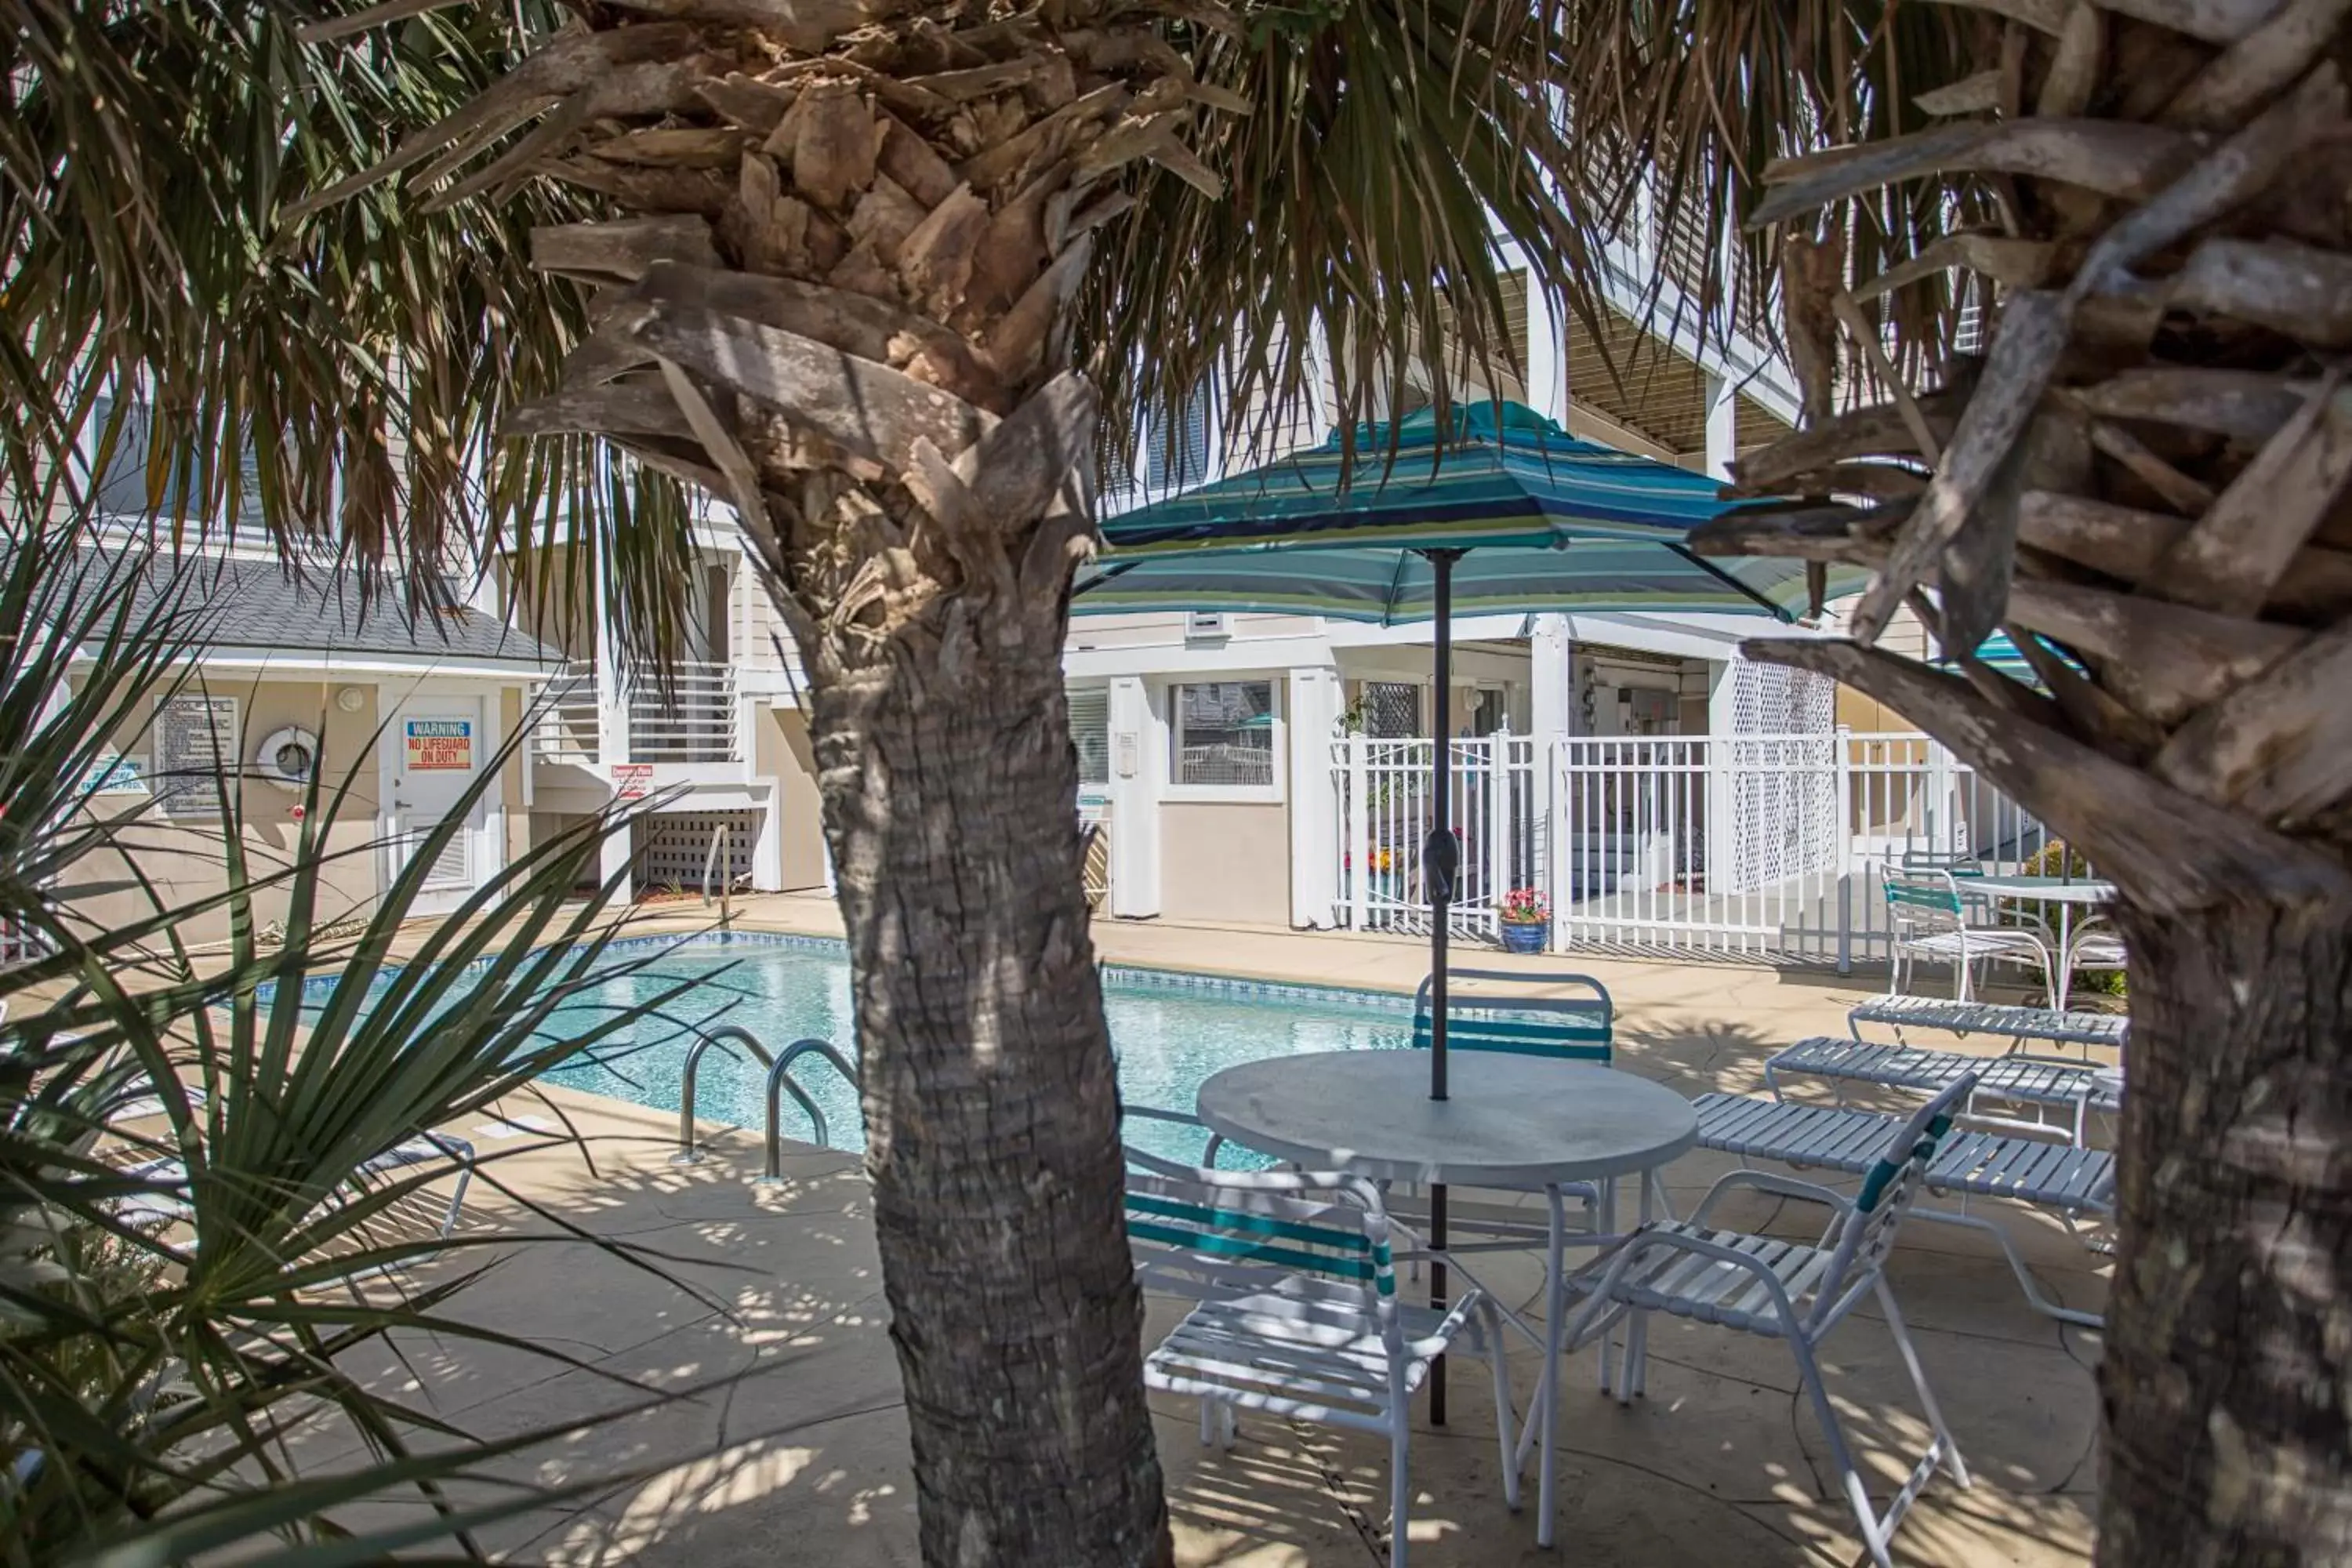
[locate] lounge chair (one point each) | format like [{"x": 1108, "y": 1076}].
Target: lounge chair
[{"x": 2072, "y": 1183}]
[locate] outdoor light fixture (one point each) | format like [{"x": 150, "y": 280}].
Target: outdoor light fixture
[{"x": 351, "y": 698}]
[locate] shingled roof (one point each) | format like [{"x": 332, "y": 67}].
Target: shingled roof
[{"x": 253, "y": 603}]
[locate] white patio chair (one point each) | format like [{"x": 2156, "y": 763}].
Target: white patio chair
[
  {"x": 1789, "y": 1291},
  {"x": 1296, "y": 1313},
  {"x": 1930, "y": 919},
  {"x": 2094, "y": 944}
]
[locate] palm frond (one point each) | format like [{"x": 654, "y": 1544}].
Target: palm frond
[
  {"x": 1386, "y": 144},
  {"x": 335, "y": 376},
  {"x": 1697, "y": 99}
]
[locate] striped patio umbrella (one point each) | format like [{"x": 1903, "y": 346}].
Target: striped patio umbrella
[
  {"x": 1392, "y": 586},
  {"x": 1508, "y": 477}
]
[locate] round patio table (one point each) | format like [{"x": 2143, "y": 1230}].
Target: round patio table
[
  {"x": 1513, "y": 1122},
  {"x": 2064, "y": 891},
  {"x": 1508, "y": 1120}
]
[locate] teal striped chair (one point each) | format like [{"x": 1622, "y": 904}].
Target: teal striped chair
[
  {"x": 1929, "y": 918},
  {"x": 1296, "y": 1309},
  {"x": 1580, "y": 1027}
]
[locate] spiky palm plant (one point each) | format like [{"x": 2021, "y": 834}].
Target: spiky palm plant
[
  {"x": 2145, "y": 471},
  {"x": 863, "y": 261},
  {"x": 186, "y": 1138}
]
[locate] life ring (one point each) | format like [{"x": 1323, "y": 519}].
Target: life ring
[{"x": 288, "y": 757}]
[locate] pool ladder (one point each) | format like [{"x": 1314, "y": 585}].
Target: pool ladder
[{"x": 780, "y": 1082}]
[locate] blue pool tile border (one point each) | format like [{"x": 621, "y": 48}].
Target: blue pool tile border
[{"x": 1119, "y": 977}]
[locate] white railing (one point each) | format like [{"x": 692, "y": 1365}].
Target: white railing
[
  {"x": 1751, "y": 845},
  {"x": 568, "y": 715},
  {"x": 684, "y": 711},
  {"x": 1386, "y": 813}
]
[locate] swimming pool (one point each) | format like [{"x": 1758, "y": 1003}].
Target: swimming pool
[{"x": 1168, "y": 1030}]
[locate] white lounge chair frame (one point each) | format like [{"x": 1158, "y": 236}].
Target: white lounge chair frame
[
  {"x": 2046, "y": 1083},
  {"x": 2093, "y": 944},
  {"x": 1791, "y": 1291},
  {"x": 1297, "y": 1314},
  {"x": 2018, "y": 1024}
]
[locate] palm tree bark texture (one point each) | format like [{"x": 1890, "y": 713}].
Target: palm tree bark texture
[
  {"x": 2145, "y": 470},
  {"x": 838, "y": 303}
]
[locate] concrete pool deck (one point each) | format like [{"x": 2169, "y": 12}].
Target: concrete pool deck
[{"x": 802, "y": 1456}]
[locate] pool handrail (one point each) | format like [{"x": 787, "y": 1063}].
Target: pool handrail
[
  {"x": 688, "y": 1153},
  {"x": 781, "y": 1082}
]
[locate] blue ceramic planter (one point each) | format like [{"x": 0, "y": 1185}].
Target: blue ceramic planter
[{"x": 1530, "y": 936}]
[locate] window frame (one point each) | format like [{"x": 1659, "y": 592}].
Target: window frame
[{"x": 1268, "y": 793}]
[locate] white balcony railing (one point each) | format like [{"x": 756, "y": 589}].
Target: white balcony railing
[
  {"x": 568, "y": 718},
  {"x": 684, "y": 713}
]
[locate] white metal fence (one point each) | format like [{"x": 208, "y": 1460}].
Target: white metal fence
[{"x": 1753, "y": 845}]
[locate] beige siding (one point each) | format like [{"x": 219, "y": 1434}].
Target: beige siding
[
  {"x": 1224, "y": 862},
  {"x": 755, "y": 619},
  {"x": 184, "y": 858},
  {"x": 784, "y": 753}
]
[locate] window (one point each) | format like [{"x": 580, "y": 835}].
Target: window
[
  {"x": 1391, "y": 709},
  {"x": 1221, "y": 733},
  {"x": 142, "y": 481},
  {"x": 1176, "y": 448},
  {"x": 1090, "y": 733}
]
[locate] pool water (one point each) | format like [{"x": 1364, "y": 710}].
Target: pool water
[{"x": 1168, "y": 1032}]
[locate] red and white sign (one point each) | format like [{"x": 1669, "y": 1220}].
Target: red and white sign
[
  {"x": 440, "y": 745},
  {"x": 632, "y": 780}
]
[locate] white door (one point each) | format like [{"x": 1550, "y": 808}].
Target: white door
[{"x": 437, "y": 748}]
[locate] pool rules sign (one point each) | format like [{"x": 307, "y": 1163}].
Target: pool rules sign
[{"x": 440, "y": 745}]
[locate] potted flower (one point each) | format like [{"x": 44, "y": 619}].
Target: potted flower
[{"x": 1526, "y": 916}]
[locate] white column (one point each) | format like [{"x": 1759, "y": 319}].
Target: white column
[
  {"x": 1134, "y": 802},
  {"x": 1551, "y": 720},
  {"x": 1722, "y": 426},
  {"x": 1722, "y": 681},
  {"x": 1552, "y": 691},
  {"x": 1547, "y": 389},
  {"x": 768, "y": 847},
  {"x": 612, "y": 721},
  {"x": 1313, "y": 701}
]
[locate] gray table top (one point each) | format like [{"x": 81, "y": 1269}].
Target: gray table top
[
  {"x": 1510, "y": 1121},
  {"x": 2054, "y": 889}
]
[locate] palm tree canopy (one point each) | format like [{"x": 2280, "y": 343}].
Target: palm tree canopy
[{"x": 168, "y": 304}]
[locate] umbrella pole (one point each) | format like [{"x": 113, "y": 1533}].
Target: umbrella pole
[{"x": 1441, "y": 861}]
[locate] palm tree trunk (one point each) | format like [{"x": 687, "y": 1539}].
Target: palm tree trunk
[
  {"x": 2228, "y": 1374},
  {"x": 991, "y": 1106}
]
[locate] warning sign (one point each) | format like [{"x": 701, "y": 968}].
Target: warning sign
[
  {"x": 440, "y": 745},
  {"x": 632, "y": 780}
]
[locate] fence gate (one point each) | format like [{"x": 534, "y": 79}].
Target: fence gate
[{"x": 1386, "y": 812}]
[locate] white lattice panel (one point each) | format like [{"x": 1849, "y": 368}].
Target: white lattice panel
[{"x": 1774, "y": 699}]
